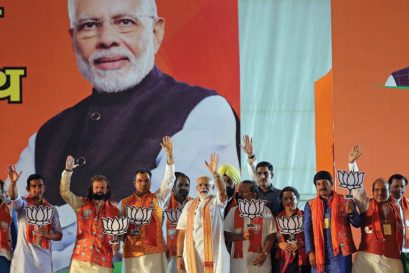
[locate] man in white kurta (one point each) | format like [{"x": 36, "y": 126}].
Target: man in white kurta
[
  {"x": 221, "y": 258},
  {"x": 366, "y": 261},
  {"x": 245, "y": 264},
  {"x": 32, "y": 257}
]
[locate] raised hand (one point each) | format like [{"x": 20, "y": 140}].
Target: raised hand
[
  {"x": 213, "y": 163},
  {"x": 168, "y": 147},
  {"x": 70, "y": 163},
  {"x": 247, "y": 145},
  {"x": 349, "y": 206},
  {"x": 12, "y": 174},
  {"x": 354, "y": 154}
]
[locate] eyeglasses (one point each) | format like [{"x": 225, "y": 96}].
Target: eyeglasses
[{"x": 90, "y": 27}]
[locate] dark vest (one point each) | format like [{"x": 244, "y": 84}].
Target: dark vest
[
  {"x": 401, "y": 77},
  {"x": 116, "y": 133}
]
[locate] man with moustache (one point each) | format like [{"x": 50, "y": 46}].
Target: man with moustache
[
  {"x": 263, "y": 173},
  {"x": 397, "y": 184},
  {"x": 178, "y": 200},
  {"x": 132, "y": 105},
  {"x": 327, "y": 231},
  {"x": 92, "y": 252},
  {"x": 381, "y": 227},
  {"x": 200, "y": 246},
  {"x": 33, "y": 249},
  {"x": 145, "y": 251}
]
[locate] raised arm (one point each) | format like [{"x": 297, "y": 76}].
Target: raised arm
[
  {"x": 212, "y": 166},
  {"x": 165, "y": 188},
  {"x": 248, "y": 149},
  {"x": 74, "y": 201},
  {"x": 13, "y": 177},
  {"x": 360, "y": 197}
]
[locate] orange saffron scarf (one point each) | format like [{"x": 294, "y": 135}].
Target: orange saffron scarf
[
  {"x": 255, "y": 237},
  {"x": 207, "y": 237},
  {"x": 172, "y": 240},
  {"x": 317, "y": 213}
]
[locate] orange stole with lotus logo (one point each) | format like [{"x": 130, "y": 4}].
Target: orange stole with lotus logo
[
  {"x": 92, "y": 244},
  {"x": 255, "y": 237},
  {"x": 5, "y": 222},
  {"x": 150, "y": 238},
  {"x": 171, "y": 239},
  {"x": 30, "y": 237}
]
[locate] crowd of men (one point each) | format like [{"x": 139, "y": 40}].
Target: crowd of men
[{"x": 209, "y": 233}]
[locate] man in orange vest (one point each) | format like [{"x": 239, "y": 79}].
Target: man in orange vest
[
  {"x": 200, "y": 246},
  {"x": 177, "y": 201},
  {"x": 38, "y": 225},
  {"x": 92, "y": 251},
  {"x": 381, "y": 227},
  {"x": 327, "y": 231},
  {"x": 8, "y": 230},
  {"x": 144, "y": 249}
]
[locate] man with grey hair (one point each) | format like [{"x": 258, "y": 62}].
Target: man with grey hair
[
  {"x": 200, "y": 244},
  {"x": 132, "y": 105}
]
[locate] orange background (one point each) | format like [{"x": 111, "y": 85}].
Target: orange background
[
  {"x": 369, "y": 41},
  {"x": 200, "y": 47}
]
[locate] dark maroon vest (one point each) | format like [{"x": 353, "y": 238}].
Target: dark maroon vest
[
  {"x": 115, "y": 133},
  {"x": 401, "y": 77}
]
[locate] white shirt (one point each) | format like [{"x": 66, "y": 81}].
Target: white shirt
[
  {"x": 220, "y": 255},
  {"x": 244, "y": 265},
  {"x": 29, "y": 257}
]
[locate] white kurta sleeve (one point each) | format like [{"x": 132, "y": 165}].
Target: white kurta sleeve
[
  {"x": 210, "y": 127},
  {"x": 359, "y": 195},
  {"x": 182, "y": 222},
  {"x": 229, "y": 221},
  {"x": 165, "y": 188}
]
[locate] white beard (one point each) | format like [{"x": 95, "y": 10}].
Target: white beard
[{"x": 112, "y": 81}]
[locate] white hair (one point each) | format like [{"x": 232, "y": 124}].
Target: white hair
[
  {"x": 153, "y": 10},
  {"x": 112, "y": 81}
]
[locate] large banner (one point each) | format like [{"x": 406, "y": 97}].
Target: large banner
[
  {"x": 68, "y": 86},
  {"x": 370, "y": 89}
]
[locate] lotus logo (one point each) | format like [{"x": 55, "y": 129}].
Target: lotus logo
[
  {"x": 173, "y": 216},
  {"x": 115, "y": 226},
  {"x": 291, "y": 226},
  {"x": 39, "y": 216},
  {"x": 252, "y": 209},
  {"x": 350, "y": 181},
  {"x": 138, "y": 216}
]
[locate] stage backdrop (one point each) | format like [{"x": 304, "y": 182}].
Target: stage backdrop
[{"x": 39, "y": 79}]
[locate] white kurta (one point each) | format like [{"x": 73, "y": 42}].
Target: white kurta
[
  {"x": 30, "y": 258},
  {"x": 365, "y": 261},
  {"x": 245, "y": 265},
  {"x": 220, "y": 255},
  {"x": 373, "y": 263},
  {"x": 150, "y": 263}
]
